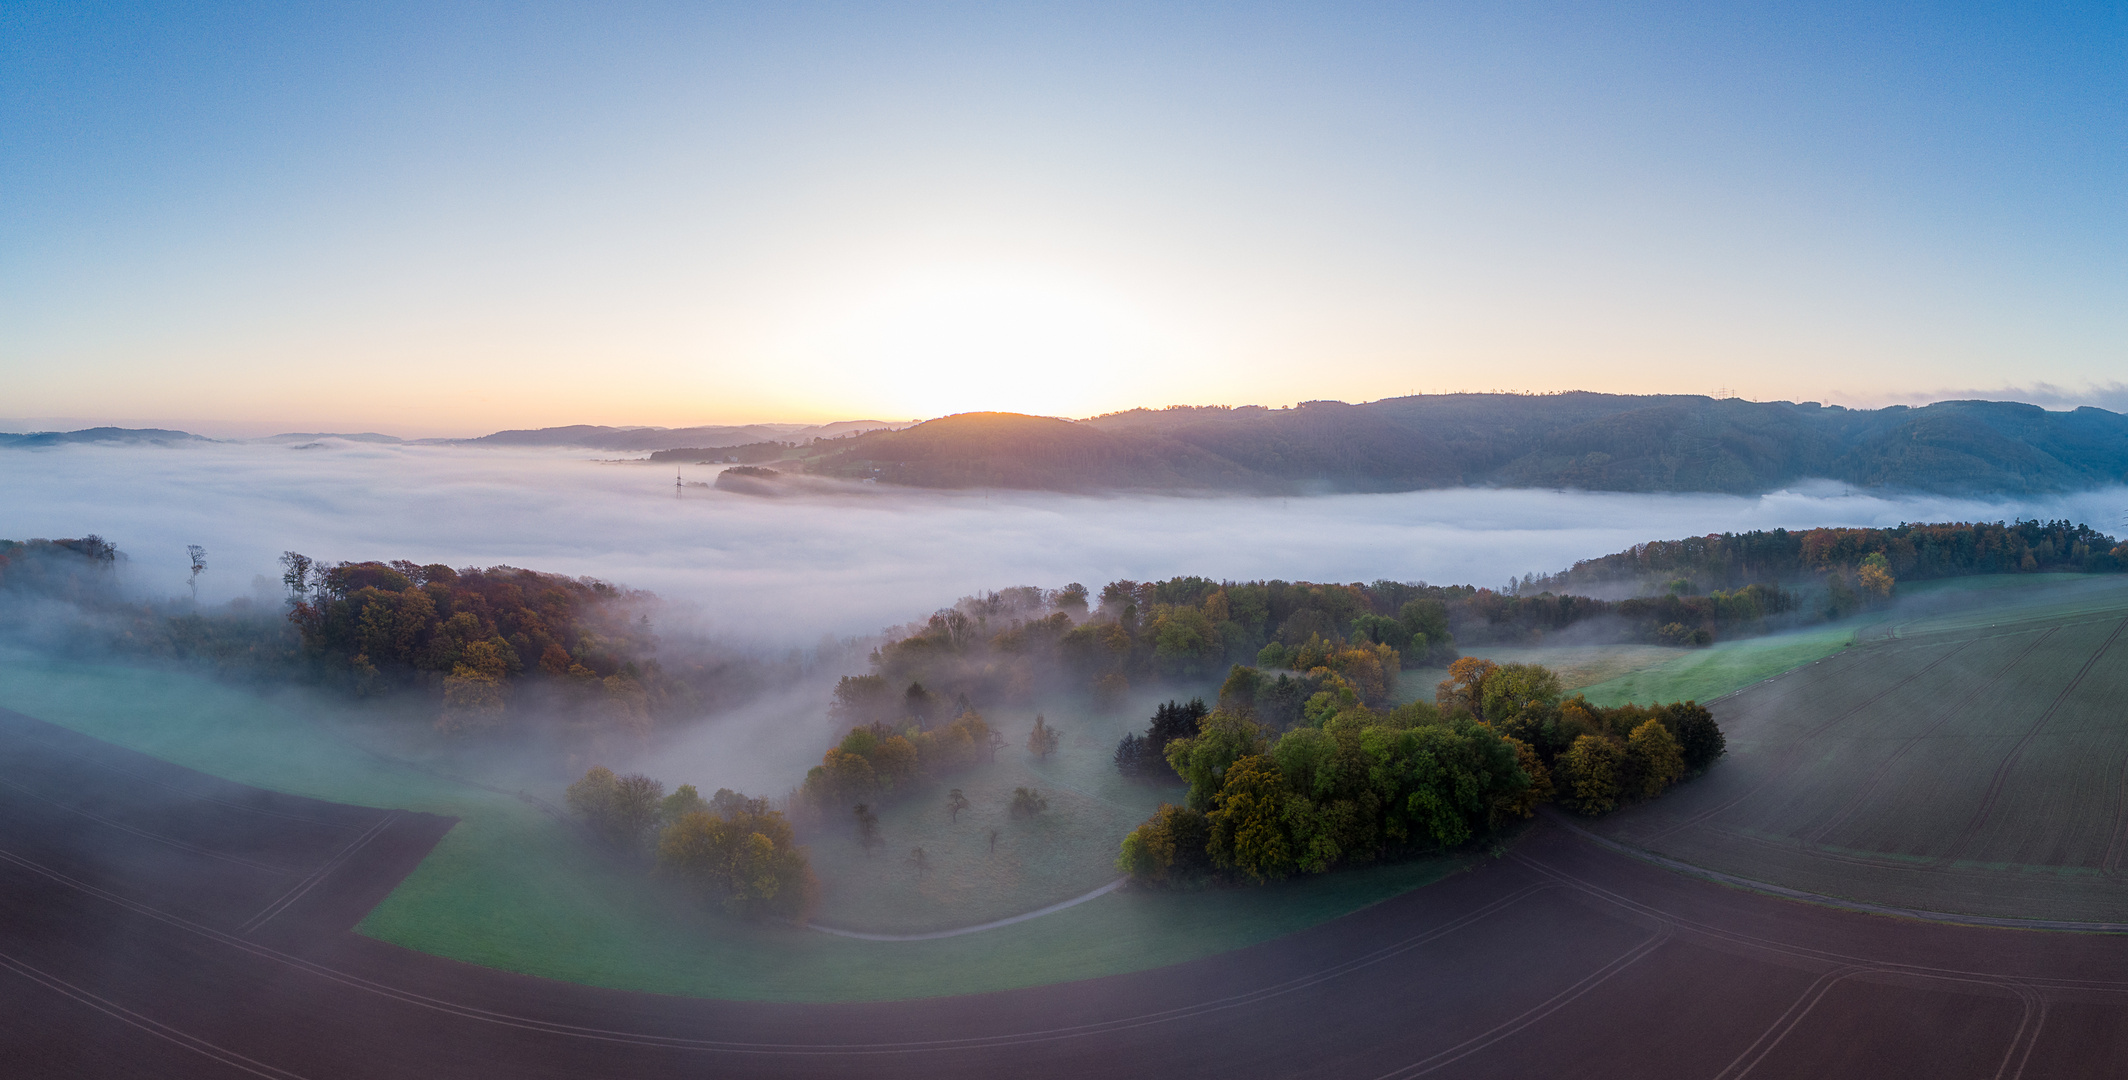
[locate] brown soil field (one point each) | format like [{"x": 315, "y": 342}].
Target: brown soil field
[{"x": 155, "y": 922}]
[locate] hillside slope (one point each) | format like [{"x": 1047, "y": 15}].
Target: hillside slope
[{"x": 1601, "y": 442}]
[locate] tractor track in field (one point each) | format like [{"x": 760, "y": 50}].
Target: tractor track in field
[
  {"x": 1793, "y": 756},
  {"x": 1988, "y": 799},
  {"x": 1515, "y": 968},
  {"x": 1869, "y": 786}
]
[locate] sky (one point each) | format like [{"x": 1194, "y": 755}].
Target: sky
[{"x": 445, "y": 219}]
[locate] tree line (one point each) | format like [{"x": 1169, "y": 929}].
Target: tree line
[
  {"x": 1914, "y": 552},
  {"x": 1347, "y": 784}
]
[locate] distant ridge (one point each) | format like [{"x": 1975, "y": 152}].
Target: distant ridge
[
  {"x": 161, "y": 436},
  {"x": 1595, "y": 442},
  {"x": 1598, "y": 442},
  {"x": 595, "y": 437}
]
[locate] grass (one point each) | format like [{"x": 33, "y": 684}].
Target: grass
[
  {"x": 508, "y": 888},
  {"x": 1723, "y": 668}
]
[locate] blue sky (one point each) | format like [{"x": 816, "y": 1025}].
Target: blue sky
[{"x": 443, "y": 219}]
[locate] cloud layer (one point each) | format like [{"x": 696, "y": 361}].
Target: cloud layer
[{"x": 786, "y": 571}]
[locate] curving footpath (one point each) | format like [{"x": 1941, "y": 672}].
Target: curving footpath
[{"x": 156, "y": 922}]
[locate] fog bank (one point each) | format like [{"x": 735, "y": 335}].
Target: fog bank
[{"x": 784, "y": 571}]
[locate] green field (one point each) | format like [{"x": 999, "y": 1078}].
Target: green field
[
  {"x": 510, "y": 888},
  {"x": 1970, "y": 754}
]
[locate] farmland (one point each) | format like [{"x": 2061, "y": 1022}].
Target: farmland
[
  {"x": 1970, "y": 758},
  {"x": 507, "y": 888}
]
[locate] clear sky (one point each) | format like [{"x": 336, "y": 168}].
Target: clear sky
[{"x": 438, "y": 218}]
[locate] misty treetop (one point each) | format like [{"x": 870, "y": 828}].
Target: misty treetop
[
  {"x": 1018, "y": 645},
  {"x": 473, "y": 632},
  {"x": 65, "y": 569},
  {"x": 735, "y": 852},
  {"x": 881, "y": 761}
]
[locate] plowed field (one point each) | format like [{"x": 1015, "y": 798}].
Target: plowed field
[{"x": 1958, "y": 763}]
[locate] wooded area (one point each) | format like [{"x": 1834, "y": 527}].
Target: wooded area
[{"x": 1343, "y": 784}]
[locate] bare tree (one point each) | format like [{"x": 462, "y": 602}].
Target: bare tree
[
  {"x": 199, "y": 566},
  {"x": 955, "y": 803},
  {"x": 867, "y": 828}
]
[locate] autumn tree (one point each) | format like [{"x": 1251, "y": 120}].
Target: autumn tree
[
  {"x": 1874, "y": 577},
  {"x": 1464, "y": 689},
  {"x": 743, "y": 857},
  {"x": 1592, "y": 766},
  {"x": 1654, "y": 751}
]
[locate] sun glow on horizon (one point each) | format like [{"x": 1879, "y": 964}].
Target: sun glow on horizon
[{"x": 941, "y": 339}]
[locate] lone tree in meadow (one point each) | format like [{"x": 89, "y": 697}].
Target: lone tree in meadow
[
  {"x": 1041, "y": 739},
  {"x": 622, "y": 810},
  {"x": 955, "y": 803},
  {"x": 921, "y": 860},
  {"x": 1026, "y": 803}
]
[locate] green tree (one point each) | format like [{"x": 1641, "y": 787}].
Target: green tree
[
  {"x": 683, "y": 801},
  {"x": 1699, "y": 738},
  {"x": 1509, "y": 690},
  {"x": 1222, "y": 738},
  {"x": 1246, "y": 830},
  {"x": 1513, "y": 804},
  {"x": 1168, "y": 848}
]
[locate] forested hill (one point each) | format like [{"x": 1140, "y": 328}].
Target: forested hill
[{"x": 1603, "y": 442}]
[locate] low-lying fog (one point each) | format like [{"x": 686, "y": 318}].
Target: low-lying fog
[{"x": 785, "y": 571}]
